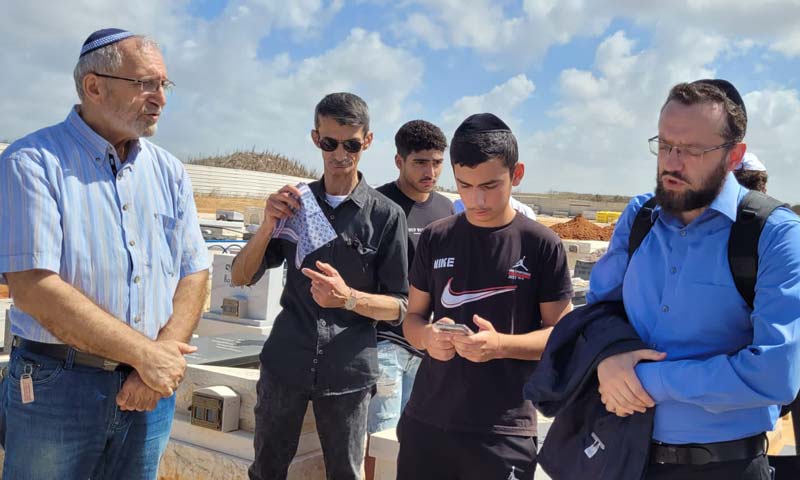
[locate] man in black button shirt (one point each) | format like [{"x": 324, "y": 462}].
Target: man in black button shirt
[
  {"x": 322, "y": 346},
  {"x": 505, "y": 277},
  {"x": 420, "y": 154}
]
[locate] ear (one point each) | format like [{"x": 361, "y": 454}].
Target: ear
[
  {"x": 398, "y": 161},
  {"x": 93, "y": 89},
  {"x": 315, "y": 137},
  {"x": 367, "y": 141},
  {"x": 736, "y": 155},
  {"x": 519, "y": 172}
]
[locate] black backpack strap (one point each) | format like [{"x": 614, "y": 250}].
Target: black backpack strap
[
  {"x": 752, "y": 214},
  {"x": 641, "y": 226}
]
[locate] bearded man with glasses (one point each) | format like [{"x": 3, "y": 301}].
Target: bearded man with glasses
[
  {"x": 102, "y": 251},
  {"x": 718, "y": 366},
  {"x": 322, "y": 347}
]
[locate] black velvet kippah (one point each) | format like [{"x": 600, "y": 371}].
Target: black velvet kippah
[
  {"x": 727, "y": 88},
  {"x": 481, "y": 123}
]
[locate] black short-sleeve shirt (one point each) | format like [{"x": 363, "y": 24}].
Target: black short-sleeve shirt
[{"x": 501, "y": 274}]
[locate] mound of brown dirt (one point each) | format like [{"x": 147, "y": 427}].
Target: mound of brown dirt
[{"x": 581, "y": 229}]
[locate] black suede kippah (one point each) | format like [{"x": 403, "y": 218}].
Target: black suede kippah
[
  {"x": 481, "y": 123},
  {"x": 727, "y": 88}
]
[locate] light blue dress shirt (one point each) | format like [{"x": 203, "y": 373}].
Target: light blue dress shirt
[
  {"x": 727, "y": 368},
  {"x": 124, "y": 239}
]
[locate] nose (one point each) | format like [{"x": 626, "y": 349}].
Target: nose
[
  {"x": 672, "y": 160},
  {"x": 480, "y": 198},
  {"x": 159, "y": 96}
]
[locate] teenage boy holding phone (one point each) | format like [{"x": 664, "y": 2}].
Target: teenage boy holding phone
[{"x": 503, "y": 276}]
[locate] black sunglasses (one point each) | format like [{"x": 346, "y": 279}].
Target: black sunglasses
[{"x": 329, "y": 144}]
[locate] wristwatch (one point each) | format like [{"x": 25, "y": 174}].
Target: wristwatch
[{"x": 350, "y": 302}]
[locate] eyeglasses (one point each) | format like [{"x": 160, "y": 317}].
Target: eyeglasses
[
  {"x": 329, "y": 144},
  {"x": 148, "y": 86},
  {"x": 659, "y": 147}
]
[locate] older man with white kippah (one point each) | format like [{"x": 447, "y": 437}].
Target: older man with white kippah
[{"x": 103, "y": 254}]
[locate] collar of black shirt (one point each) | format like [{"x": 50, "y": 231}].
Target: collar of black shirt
[{"x": 359, "y": 195}]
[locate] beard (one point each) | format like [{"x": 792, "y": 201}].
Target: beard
[
  {"x": 679, "y": 202},
  {"x": 121, "y": 118}
]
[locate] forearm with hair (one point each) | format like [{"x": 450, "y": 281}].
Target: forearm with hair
[
  {"x": 187, "y": 305},
  {"x": 74, "y": 319},
  {"x": 248, "y": 260},
  {"x": 377, "y": 307}
]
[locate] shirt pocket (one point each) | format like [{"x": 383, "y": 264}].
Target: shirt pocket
[
  {"x": 355, "y": 261},
  {"x": 170, "y": 231}
]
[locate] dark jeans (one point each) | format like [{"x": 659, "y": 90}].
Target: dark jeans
[
  {"x": 341, "y": 426},
  {"x": 751, "y": 469}
]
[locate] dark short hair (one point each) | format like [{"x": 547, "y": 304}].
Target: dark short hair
[
  {"x": 752, "y": 179},
  {"x": 345, "y": 108},
  {"x": 705, "y": 92},
  {"x": 419, "y": 135},
  {"x": 475, "y": 148}
]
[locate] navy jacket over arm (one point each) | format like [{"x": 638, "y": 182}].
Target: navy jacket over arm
[{"x": 585, "y": 440}]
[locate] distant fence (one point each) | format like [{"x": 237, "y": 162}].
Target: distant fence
[{"x": 228, "y": 182}]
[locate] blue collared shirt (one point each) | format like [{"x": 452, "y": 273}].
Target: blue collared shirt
[
  {"x": 727, "y": 368},
  {"x": 123, "y": 240}
]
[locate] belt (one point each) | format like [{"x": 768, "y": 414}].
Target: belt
[
  {"x": 60, "y": 351},
  {"x": 702, "y": 453}
]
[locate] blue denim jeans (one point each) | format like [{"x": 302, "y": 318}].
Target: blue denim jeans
[
  {"x": 398, "y": 368},
  {"x": 73, "y": 429}
]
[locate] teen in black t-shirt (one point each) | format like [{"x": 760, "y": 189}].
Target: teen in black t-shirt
[
  {"x": 418, "y": 215},
  {"x": 506, "y": 278},
  {"x": 420, "y": 155}
]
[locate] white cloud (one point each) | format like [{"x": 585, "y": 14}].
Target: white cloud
[
  {"x": 773, "y": 119},
  {"x": 604, "y": 116},
  {"x": 509, "y": 40},
  {"x": 500, "y": 100},
  {"x": 227, "y": 98},
  {"x": 423, "y": 27},
  {"x": 591, "y": 137},
  {"x": 789, "y": 45}
]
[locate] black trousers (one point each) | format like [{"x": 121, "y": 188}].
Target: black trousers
[
  {"x": 427, "y": 452},
  {"x": 341, "y": 425},
  {"x": 750, "y": 469}
]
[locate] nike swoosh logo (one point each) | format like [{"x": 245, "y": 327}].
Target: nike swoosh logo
[{"x": 451, "y": 299}]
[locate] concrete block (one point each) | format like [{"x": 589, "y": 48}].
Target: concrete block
[
  {"x": 240, "y": 380},
  {"x": 580, "y": 248},
  {"x": 263, "y": 298},
  {"x": 211, "y": 325},
  {"x": 384, "y": 447}
]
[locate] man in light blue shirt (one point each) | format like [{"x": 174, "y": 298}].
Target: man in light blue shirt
[
  {"x": 717, "y": 371},
  {"x": 101, "y": 248}
]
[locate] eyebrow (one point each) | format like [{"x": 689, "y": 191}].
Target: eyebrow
[
  {"x": 419, "y": 159},
  {"x": 484, "y": 184}
]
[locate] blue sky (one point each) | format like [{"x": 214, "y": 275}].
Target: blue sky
[{"x": 579, "y": 81}]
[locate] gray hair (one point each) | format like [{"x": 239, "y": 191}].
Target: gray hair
[
  {"x": 345, "y": 108},
  {"x": 107, "y": 59}
]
